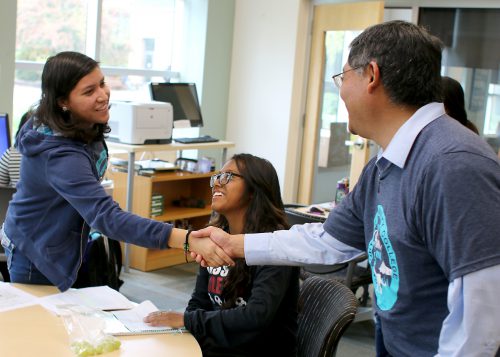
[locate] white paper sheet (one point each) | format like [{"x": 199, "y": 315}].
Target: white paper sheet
[
  {"x": 98, "y": 297},
  {"x": 13, "y": 298}
]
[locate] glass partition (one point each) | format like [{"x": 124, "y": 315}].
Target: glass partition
[{"x": 471, "y": 56}]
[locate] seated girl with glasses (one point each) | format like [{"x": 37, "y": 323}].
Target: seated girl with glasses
[{"x": 236, "y": 310}]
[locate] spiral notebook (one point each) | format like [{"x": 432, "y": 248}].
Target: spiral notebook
[{"x": 129, "y": 322}]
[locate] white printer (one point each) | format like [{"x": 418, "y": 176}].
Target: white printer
[{"x": 140, "y": 123}]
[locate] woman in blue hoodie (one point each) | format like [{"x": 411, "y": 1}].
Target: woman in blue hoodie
[{"x": 59, "y": 195}]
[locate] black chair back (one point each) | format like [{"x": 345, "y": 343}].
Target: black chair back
[
  {"x": 6, "y": 193},
  {"x": 326, "y": 309}
]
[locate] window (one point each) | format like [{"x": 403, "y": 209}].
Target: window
[
  {"x": 136, "y": 41},
  {"x": 333, "y": 131},
  {"x": 470, "y": 57}
]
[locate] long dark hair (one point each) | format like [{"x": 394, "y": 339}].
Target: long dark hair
[
  {"x": 454, "y": 102},
  {"x": 265, "y": 213},
  {"x": 60, "y": 76},
  {"x": 26, "y": 116}
]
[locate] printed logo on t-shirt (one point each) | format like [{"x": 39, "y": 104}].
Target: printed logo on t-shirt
[
  {"x": 383, "y": 262},
  {"x": 216, "y": 283}
]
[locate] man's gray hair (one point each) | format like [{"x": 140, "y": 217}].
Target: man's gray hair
[{"x": 409, "y": 58}]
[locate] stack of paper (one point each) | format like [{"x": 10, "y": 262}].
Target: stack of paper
[{"x": 98, "y": 297}]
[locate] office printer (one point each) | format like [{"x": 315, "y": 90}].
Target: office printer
[{"x": 140, "y": 123}]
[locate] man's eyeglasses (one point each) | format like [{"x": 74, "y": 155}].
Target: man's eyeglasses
[
  {"x": 223, "y": 178},
  {"x": 338, "y": 79}
]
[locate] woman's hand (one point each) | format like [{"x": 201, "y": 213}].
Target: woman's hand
[
  {"x": 230, "y": 245},
  {"x": 165, "y": 318},
  {"x": 212, "y": 254}
]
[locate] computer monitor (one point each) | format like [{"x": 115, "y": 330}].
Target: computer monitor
[
  {"x": 184, "y": 100},
  {"x": 4, "y": 133}
]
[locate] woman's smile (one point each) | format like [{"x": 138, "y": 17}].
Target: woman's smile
[{"x": 217, "y": 194}]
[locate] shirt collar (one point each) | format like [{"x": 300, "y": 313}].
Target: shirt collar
[{"x": 399, "y": 147}]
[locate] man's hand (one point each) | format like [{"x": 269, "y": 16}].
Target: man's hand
[
  {"x": 231, "y": 244},
  {"x": 165, "y": 318},
  {"x": 208, "y": 251}
]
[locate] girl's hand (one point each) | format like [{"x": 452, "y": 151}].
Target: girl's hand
[
  {"x": 206, "y": 252},
  {"x": 165, "y": 318}
]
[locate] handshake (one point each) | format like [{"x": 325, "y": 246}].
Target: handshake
[{"x": 214, "y": 247}]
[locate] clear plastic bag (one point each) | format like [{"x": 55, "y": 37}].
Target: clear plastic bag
[{"x": 85, "y": 327}]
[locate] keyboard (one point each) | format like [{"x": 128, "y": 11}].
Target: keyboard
[{"x": 198, "y": 140}]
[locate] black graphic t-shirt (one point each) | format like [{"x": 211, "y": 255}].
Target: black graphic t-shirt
[
  {"x": 216, "y": 281},
  {"x": 266, "y": 315}
]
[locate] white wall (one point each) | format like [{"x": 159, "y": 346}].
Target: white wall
[
  {"x": 263, "y": 118},
  {"x": 216, "y": 71},
  {"x": 194, "y": 42},
  {"x": 7, "y": 54}
]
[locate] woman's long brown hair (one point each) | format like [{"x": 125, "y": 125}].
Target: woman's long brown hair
[{"x": 265, "y": 213}]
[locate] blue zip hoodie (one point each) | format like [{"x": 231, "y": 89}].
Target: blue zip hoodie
[{"x": 58, "y": 197}]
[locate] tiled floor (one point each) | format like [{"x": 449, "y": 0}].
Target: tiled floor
[{"x": 170, "y": 289}]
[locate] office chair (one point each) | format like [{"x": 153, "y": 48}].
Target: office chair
[
  {"x": 326, "y": 309},
  {"x": 3, "y": 266},
  {"x": 351, "y": 274}
]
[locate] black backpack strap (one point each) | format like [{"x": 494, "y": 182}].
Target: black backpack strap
[{"x": 115, "y": 250}]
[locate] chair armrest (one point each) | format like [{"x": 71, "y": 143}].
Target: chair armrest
[
  {"x": 359, "y": 259},
  {"x": 351, "y": 268}
]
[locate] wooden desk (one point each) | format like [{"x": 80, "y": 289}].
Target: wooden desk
[
  {"x": 34, "y": 331},
  {"x": 178, "y": 147}
]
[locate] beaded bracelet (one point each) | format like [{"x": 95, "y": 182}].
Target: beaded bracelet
[{"x": 186, "y": 245}]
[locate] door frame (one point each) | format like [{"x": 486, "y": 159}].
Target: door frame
[{"x": 327, "y": 17}]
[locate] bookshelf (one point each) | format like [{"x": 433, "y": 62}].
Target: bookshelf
[
  {"x": 133, "y": 192},
  {"x": 173, "y": 186}
]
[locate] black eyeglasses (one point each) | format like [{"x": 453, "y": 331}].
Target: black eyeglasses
[
  {"x": 223, "y": 178},
  {"x": 338, "y": 79}
]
